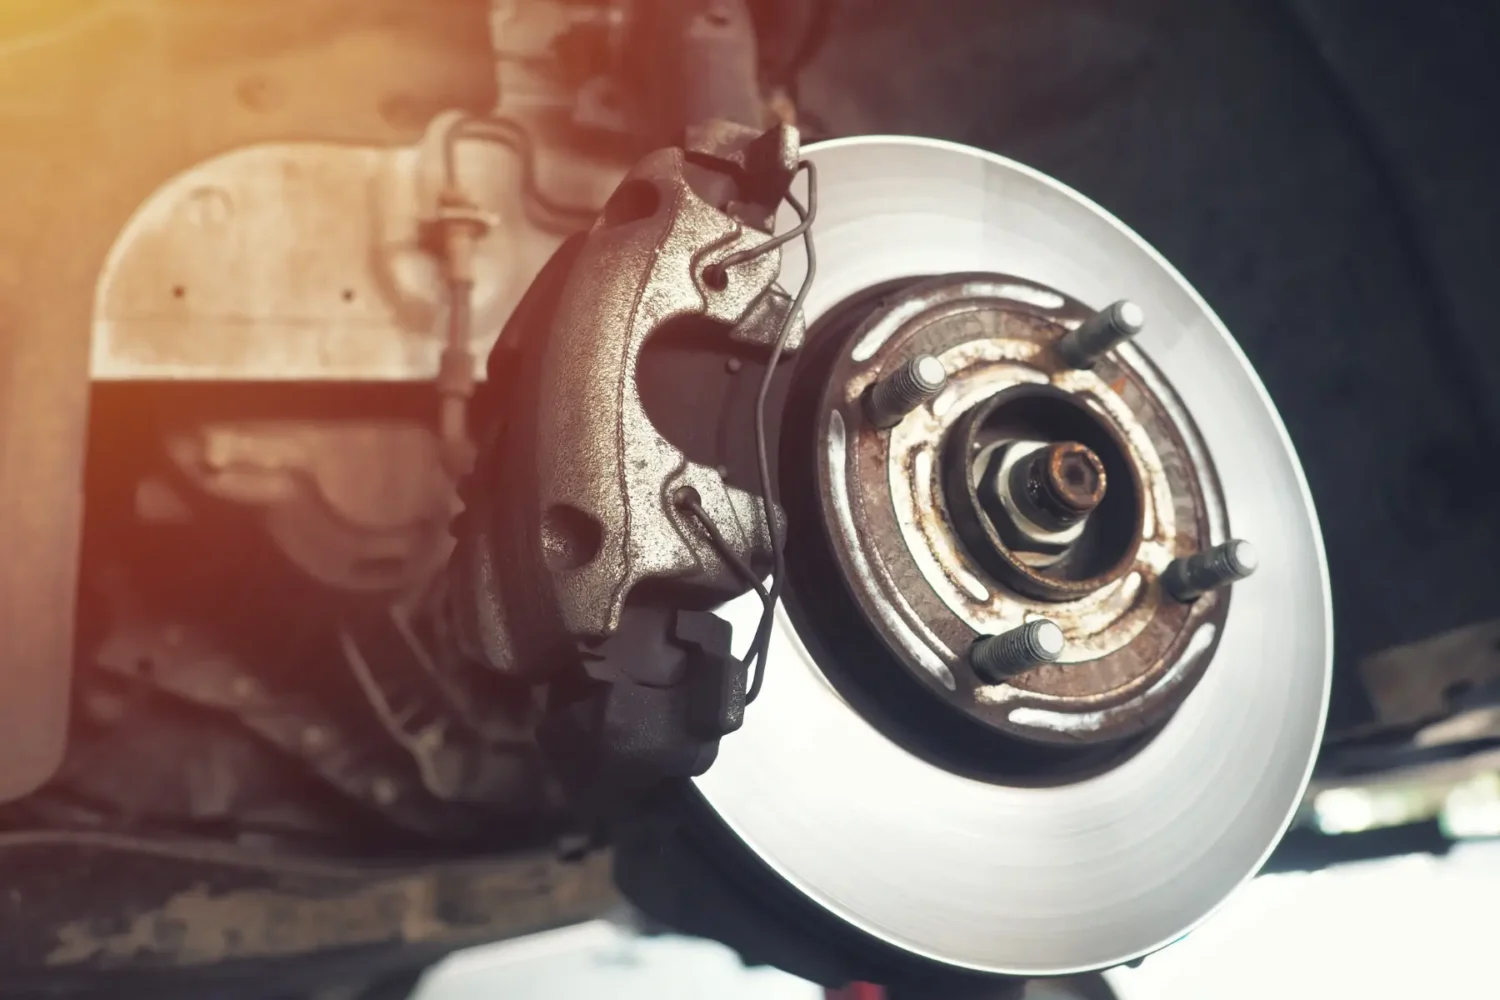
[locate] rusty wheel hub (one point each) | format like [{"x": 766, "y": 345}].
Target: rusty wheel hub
[{"x": 1026, "y": 489}]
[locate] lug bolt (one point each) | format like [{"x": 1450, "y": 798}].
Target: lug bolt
[
  {"x": 1101, "y": 333},
  {"x": 916, "y": 382},
  {"x": 997, "y": 657},
  {"x": 1194, "y": 576}
]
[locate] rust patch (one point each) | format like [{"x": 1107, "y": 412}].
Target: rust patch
[
  {"x": 203, "y": 928},
  {"x": 1123, "y": 636},
  {"x": 200, "y": 926},
  {"x": 1072, "y": 476}
]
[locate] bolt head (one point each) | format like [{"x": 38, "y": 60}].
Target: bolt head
[
  {"x": 1073, "y": 477},
  {"x": 993, "y": 485},
  {"x": 930, "y": 373},
  {"x": 1048, "y": 640},
  {"x": 1242, "y": 557}
]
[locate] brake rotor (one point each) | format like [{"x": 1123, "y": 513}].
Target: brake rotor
[{"x": 1070, "y": 838}]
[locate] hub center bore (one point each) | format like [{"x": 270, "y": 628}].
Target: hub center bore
[
  {"x": 1036, "y": 496},
  {"x": 1021, "y": 518}
]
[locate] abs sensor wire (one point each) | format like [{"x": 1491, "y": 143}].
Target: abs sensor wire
[
  {"x": 759, "y": 649},
  {"x": 692, "y": 503}
]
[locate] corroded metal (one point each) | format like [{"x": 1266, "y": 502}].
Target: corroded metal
[
  {"x": 1190, "y": 577},
  {"x": 642, "y": 268},
  {"x": 1066, "y": 480},
  {"x": 1131, "y": 655},
  {"x": 914, "y": 383},
  {"x": 306, "y": 261},
  {"x": 139, "y": 907},
  {"x": 1091, "y": 554},
  {"x": 997, "y": 657},
  {"x": 569, "y": 509},
  {"x": 1101, "y": 333}
]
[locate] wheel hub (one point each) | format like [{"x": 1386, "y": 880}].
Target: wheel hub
[{"x": 1026, "y": 489}]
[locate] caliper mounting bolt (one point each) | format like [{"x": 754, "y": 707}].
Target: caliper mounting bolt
[
  {"x": 917, "y": 381},
  {"x": 997, "y": 657},
  {"x": 1193, "y": 576},
  {"x": 1101, "y": 333}
]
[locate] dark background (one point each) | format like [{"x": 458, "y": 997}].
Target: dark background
[{"x": 1324, "y": 172}]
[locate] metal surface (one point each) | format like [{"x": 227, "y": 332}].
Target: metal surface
[
  {"x": 462, "y": 750},
  {"x": 1005, "y": 495},
  {"x": 1065, "y": 482},
  {"x": 103, "y": 105},
  {"x": 699, "y": 61},
  {"x": 1038, "y": 881},
  {"x": 140, "y": 906},
  {"x": 1424, "y": 681},
  {"x": 908, "y": 527},
  {"x": 356, "y": 505},
  {"x": 303, "y": 730},
  {"x": 406, "y": 784},
  {"x": 620, "y": 68},
  {"x": 997, "y": 657},
  {"x": 1190, "y": 577},
  {"x": 607, "y": 519},
  {"x": 289, "y": 261},
  {"x": 1101, "y": 333},
  {"x": 599, "y": 517},
  {"x": 1161, "y": 495},
  {"x": 306, "y": 261},
  {"x": 916, "y": 382},
  {"x": 531, "y": 81}
]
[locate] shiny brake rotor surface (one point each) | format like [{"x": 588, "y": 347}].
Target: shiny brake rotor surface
[{"x": 1026, "y": 880}]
